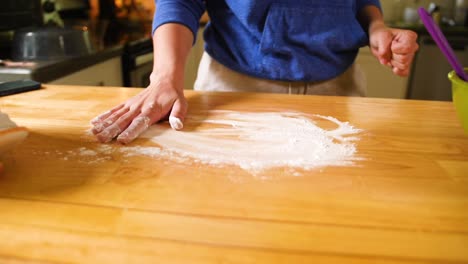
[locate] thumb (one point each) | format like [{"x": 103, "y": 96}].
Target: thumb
[
  {"x": 178, "y": 112},
  {"x": 381, "y": 47}
]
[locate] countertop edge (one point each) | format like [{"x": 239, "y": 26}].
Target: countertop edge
[{"x": 72, "y": 65}]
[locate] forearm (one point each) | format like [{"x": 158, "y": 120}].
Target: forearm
[
  {"x": 370, "y": 17},
  {"x": 171, "y": 44}
]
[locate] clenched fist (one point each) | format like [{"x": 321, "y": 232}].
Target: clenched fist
[{"x": 393, "y": 47}]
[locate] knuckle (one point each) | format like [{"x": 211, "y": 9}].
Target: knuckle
[
  {"x": 412, "y": 35},
  {"x": 382, "y": 52},
  {"x": 404, "y": 49},
  {"x": 124, "y": 121},
  {"x": 404, "y": 60}
]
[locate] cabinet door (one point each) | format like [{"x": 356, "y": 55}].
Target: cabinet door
[
  {"x": 106, "y": 73},
  {"x": 381, "y": 82}
]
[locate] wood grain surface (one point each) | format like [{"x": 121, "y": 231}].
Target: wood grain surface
[{"x": 405, "y": 201}]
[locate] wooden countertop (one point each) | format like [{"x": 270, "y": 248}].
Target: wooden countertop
[{"x": 406, "y": 202}]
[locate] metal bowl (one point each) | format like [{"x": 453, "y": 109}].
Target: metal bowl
[{"x": 50, "y": 43}]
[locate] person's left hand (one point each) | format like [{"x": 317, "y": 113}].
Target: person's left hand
[{"x": 393, "y": 47}]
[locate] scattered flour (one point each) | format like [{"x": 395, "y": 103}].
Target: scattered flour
[
  {"x": 257, "y": 141},
  {"x": 252, "y": 141},
  {"x": 87, "y": 152},
  {"x": 136, "y": 151}
]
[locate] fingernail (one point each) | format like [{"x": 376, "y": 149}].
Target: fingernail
[
  {"x": 175, "y": 123},
  {"x": 114, "y": 130},
  {"x": 97, "y": 128},
  {"x": 98, "y": 118},
  {"x": 103, "y": 137},
  {"x": 139, "y": 125},
  {"x": 124, "y": 138},
  {"x": 95, "y": 120},
  {"x": 109, "y": 133}
]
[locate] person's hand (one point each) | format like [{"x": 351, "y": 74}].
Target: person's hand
[
  {"x": 393, "y": 47},
  {"x": 128, "y": 120}
]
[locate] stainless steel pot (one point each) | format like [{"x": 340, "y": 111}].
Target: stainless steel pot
[{"x": 50, "y": 43}]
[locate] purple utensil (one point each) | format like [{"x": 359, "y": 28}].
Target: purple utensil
[{"x": 442, "y": 43}]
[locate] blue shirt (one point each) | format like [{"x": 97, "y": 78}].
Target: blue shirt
[{"x": 289, "y": 40}]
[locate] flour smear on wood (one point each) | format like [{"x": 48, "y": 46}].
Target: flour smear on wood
[{"x": 255, "y": 141}]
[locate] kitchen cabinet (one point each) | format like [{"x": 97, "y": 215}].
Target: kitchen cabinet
[
  {"x": 381, "y": 82},
  {"x": 106, "y": 73}
]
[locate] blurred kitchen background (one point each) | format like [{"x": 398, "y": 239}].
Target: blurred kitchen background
[{"x": 108, "y": 43}]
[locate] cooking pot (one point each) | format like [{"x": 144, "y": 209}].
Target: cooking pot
[{"x": 50, "y": 43}]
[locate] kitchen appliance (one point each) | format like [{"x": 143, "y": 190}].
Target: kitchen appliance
[
  {"x": 137, "y": 63},
  {"x": 16, "y": 14},
  {"x": 50, "y": 43}
]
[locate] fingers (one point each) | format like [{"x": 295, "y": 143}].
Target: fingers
[
  {"x": 381, "y": 47},
  {"x": 109, "y": 120},
  {"x": 128, "y": 121},
  {"x": 403, "y": 48},
  {"x": 177, "y": 116},
  {"x": 140, "y": 124},
  {"x": 150, "y": 116},
  {"x": 405, "y": 42},
  {"x": 402, "y": 63},
  {"x": 401, "y": 72},
  {"x": 116, "y": 127},
  {"x": 103, "y": 116}
]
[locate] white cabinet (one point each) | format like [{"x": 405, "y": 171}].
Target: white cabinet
[
  {"x": 106, "y": 73},
  {"x": 381, "y": 82}
]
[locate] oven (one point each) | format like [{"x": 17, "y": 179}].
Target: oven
[{"x": 137, "y": 63}]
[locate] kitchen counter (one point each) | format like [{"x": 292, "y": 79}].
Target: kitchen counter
[
  {"x": 108, "y": 44},
  {"x": 46, "y": 71},
  {"x": 403, "y": 201}
]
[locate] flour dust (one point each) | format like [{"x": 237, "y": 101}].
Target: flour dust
[
  {"x": 258, "y": 141},
  {"x": 252, "y": 141}
]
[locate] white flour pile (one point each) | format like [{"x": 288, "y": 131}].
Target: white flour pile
[
  {"x": 252, "y": 141},
  {"x": 255, "y": 141}
]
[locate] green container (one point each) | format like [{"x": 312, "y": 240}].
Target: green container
[{"x": 460, "y": 98}]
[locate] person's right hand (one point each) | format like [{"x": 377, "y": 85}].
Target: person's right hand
[{"x": 128, "y": 120}]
